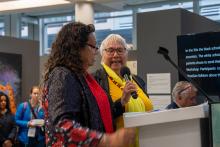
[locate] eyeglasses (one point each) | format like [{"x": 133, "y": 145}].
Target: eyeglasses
[
  {"x": 92, "y": 46},
  {"x": 111, "y": 51}
]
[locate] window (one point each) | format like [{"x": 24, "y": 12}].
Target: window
[
  {"x": 121, "y": 22},
  {"x": 24, "y": 31},
  {"x": 210, "y": 9},
  {"x": 168, "y": 5},
  {"x": 50, "y": 33},
  {"x": 114, "y": 22},
  {"x": 105, "y": 23},
  {"x": 2, "y": 26},
  {"x": 51, "y": 26}
]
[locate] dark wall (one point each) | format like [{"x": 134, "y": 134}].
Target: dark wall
[
  {"x": 160, "y": 28},
  {"x": 30, "y": 61}
]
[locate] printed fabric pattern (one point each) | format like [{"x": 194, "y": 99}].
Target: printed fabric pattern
[{"x": 66, "y": 111}]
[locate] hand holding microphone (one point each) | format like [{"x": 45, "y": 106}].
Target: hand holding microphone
[{"x": 130, "y": 88}]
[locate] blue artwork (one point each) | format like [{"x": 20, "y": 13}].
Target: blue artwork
[{"x": 10, "y": 72}]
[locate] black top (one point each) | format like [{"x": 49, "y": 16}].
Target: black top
[
  {"x": 70, "y": 97},
  {"x": 101, "y": 77},
  {"x": 70, "y": 109},
  {"x": 172, "y": 105},
  {"x": 7, "y": 127}
]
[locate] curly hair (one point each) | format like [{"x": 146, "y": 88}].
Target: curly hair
[
  {"x": 67, "y": 46},
  {"x": 7, "y": 100}
]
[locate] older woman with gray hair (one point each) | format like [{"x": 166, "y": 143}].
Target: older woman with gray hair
[
  {"x": 114, "y": 52},
  {"x": 183, "y": 95}
]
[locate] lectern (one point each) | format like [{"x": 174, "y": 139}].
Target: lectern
[{"x": 183, "y": 127}]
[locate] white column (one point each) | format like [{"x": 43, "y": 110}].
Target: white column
[{"x": 84, "y": 12}]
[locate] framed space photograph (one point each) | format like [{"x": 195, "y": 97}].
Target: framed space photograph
[{"x": 10, "y": 74}]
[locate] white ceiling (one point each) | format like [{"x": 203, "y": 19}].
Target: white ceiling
[{"x": 99, "y": 5}]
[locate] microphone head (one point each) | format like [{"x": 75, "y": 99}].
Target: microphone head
[
  {"x": 162, "y": 51},
  {"x": 125, "y": 71}
]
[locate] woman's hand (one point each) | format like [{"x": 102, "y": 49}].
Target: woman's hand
[
  {"x": 31, "y": 124},
  {"x": 122, "y": 137},
  {"x": 7, "y": 143},
  {"x": 129, "y": 87}
]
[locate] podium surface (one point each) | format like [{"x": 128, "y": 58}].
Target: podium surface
[{"x": 181, "y": 127}]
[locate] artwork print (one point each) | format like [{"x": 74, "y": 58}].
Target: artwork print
[{"x": 10, "y": 74}]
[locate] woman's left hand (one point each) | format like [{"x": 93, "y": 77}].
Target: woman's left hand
[{"x": 129, "y": 87}]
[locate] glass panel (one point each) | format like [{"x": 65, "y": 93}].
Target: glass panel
[
  {"x": 24, "y": 31},
  {"x": 50, "y": 32},
  {"x": 2, "y": 28},
  {"x": 210, "y": 9},
  {"x": 112, "y": 14},
  {"x": 116, "y": 23},
  {"x": 51, "y": 26},
  {"x": 58, "y": 19},
  {"x": 105, "y": 23},
  {"x": 208, "y": 2},
  {"x": 169, "y": 5}
]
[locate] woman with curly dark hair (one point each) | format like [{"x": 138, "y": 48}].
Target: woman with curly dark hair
[
  {"x": 77, "y": 110},
  {"x": 7, "y": 123}
]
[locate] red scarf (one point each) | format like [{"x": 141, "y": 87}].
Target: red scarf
[{"x": 102, "y": 101}]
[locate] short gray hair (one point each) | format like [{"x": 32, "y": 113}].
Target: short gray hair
[
  {"x": 181, "y": 88},
  {"x": 112, "y": 38}
]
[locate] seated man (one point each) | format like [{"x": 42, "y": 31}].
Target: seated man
[{"x": 183, "y": 95}]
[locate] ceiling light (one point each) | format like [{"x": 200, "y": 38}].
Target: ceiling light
[{"x": 27, "y": 4}]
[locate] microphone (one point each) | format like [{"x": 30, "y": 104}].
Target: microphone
[
  {"x": 125, "y": 73},
  {"x": 163, "y": 51}
]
